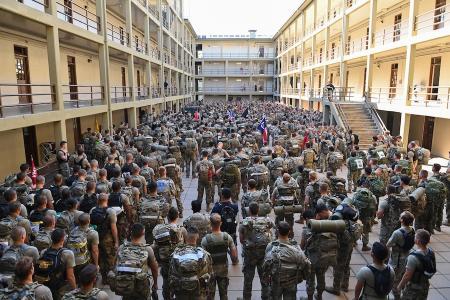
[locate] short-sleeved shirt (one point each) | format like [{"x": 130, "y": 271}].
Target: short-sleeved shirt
[
  {"x": 151, "y": 259},
  {"x": 366, "y": 276},
  {"x": 220, "y": 270},
  {"x": 91, "y": 235},
  {"x": 28, "y": 251},
  {"x": 396, "y": 241},
  {"x": 413, "y": 263},
  {"x": 67, "y": 258}
]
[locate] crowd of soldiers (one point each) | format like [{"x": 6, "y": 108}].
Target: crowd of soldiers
[{"x": 115, "y": 209}]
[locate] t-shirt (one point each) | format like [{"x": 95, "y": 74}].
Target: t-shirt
[
  {"x": 151, "y": 259},
  {"x": 366, "y": 276},
  {"x": 413, "y": 262},
  {"x": 222, "y": 269},
  {"x": 29, "y": 251},
  {"x": 67, "y": 258},
  {"x": 396, "y": 241},
  {"x": 92, "y": 236}
]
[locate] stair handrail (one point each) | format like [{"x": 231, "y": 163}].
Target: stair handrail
[
  {"x": 342, "y": 118},
  {"x": 375, "y": 116}
]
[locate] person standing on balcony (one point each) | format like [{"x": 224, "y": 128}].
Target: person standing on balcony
[
  {"x": 330, "y": 90},
  {"x": 62, "y": 156}
]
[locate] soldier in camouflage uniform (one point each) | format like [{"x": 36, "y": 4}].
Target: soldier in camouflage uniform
[
  {"x": 389, "y": 213},
  {"x": 334, "y": 160},
  {"x": 253, "y": 195},
  {"x": 205, "y": 170},
  {"x": 354, "y": 166},
  {"x": 231, "y": 178},
  {"x": 191, "y": 154},
  {"x": 167, "y": 188},
  {"x": 244, "y": 160},
  {"x": 312, "y": 193},
  {"x": 254, "y": 234},
  {"x": 285, "y": 194},
  {"x": 309, "y": 156},
  {"x": 366, "y": 203},
  {"x": 275, "y": 167},
  {"x": 259, "y": 172}
]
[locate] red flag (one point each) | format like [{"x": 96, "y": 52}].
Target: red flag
[
  {"x": 196, "y": 116},
  {"x": 34, "y": 172},
  {"x": 264, "y": 136}
]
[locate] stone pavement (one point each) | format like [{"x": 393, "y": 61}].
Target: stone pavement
[{"x": 440, "y": 242}]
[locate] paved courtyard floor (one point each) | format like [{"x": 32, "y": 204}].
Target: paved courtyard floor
[{"x": 440, "y": 242}]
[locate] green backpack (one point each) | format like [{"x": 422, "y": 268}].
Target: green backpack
[
  {"x": 10, "y": 258},
  {"x": 23, "y": 293},
  {"x": 363, "y": 199},
  {"x": 435, "y": 190},
  {"x": 258, "y": 234},
  {"x": 6, "y": 226},
  {"x": 77, "y": 242},
  {"x": 77, "y": 294},
  {"x": 229, "y": 174},
  {"x": 377, "y": 186}
]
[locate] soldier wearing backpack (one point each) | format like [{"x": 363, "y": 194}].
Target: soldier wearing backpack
[
  {"x": 55, "y": 267},
  {"x": 401, "y": 242},
  {"x": 22, "y": 190},
  {"x": 78, "y": 187},
  {"x": 131, "y": 278},
  {"x": 62, "y": 157},
  {"x": 199, "y": 220},
  {"x": 230, "y": 176},
  {"x": 312, "y": 193},
  {"x": 334, "y": 160},
  {"x": 285, "y": 265},
  {"x": 69, "y": 217},
  {"x": 11, "y": 221},
  {"x": 285, "y": 195},
  {"x": 42, "y": 239},
  {"x": 166, "y": 187},
  {"x": 228, "y": 212},
  {"x": 354, "y": 166},
  {"x": 439, "y": 195},
  {"x": 420, "y": 268},
  {"x": 166, "y": 238},
  {"x": 190, "y": 156},
  {"x": 40, "y": 190},
  {"x": 83, "y": 241},
  {"x": 366, "y": 204},
  {"x": 37, "y": 215},
  {"x": 89, "y": 199},
  {"x": 205, "y": 170},
  {"x": 331, "y": 202},
  {"x": 104, "y": 219},
  {"x": 14, "y": 253},
  {"x": 309, "y": 157},
  {"x": 255, "y": 233},
  {"x": 435, "y": 193},
  {"x": 121, "y": 203},
  {"x": 219, "y": 244},
  {"x": 87, "y": 289},
  {"x": 24, "y": 287},
  {"x": 10, "y": 196},
  {"x": 375, "y": 281},
  {"x": 259, "y": 172},
  {"x": 261, "y": 197}
]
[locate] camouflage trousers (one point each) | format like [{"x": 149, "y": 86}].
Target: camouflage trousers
[
  {"x": 288, "y": 218},
  {"x": 178, "y": 200},
  {"x": 285, "y": 293},
  {"x": 386, "y": 232},
  {"x": 206, "y": 188},
  {"x": 341, "y": 273},
  {"x": 222, "y": 285},
  {"x": 64, "y": 170},
  {"x": 352, "y": 180},
  {"x": 318, "y": 271},
  {"x": 323, "y": 162},
  {"x": 425, "y": 220},
  {"x": 122, "y": 228},
  {"x": 415, "y": 291},
  {"x": 332, "y": 169},
  {"x": 244, "y": 181},
  {"x": 367, "y": 227},
  {"x": 106, "y": 255},
  {"x": 399, "y": 270},
  {"x": 166, "y": 291},
  {"x": 309, "y": 166},
  {"x": 438, "y": 212},
  {"x": 250, "y": 264},
  {"x": 190, "y": 158}
]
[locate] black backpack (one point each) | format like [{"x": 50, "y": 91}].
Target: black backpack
[
  {"x": 4, "y": 210},
  {"x": 115, "y": 200},
  {"x": 428, "y": 269},
  {"x": 228, "y": 219},
  {"x": 49, "y": 270},
  {"x": 88, "y": 202},
  {"x": 56, "y": 193},
  {"x": 38, "y": 215},
  {"x": 408, "y": 239},
  {"x": 383, "y": 280},
  {"x": 98, "y": 218}
]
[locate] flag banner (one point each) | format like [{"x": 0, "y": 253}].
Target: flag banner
[
  {"x": 34, "y": 172},
  {"x": 262, "y": 127},
  {"x": 231, "y": 115},
  {"x": 245, "y": 113}
]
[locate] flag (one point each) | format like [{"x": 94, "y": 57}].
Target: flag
[
  {"x": 245, "y": 113},
  {"x": 231, "y": 115},
  {"x": 34, "y": 172},
  {"x": 196, "y": 116},
  {"x": 262, "y": 127},
  {"x": 97, "y": 126}
]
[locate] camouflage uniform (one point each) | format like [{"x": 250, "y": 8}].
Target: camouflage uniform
[
  {"x": 341, "y": 273},
  {"x": 167, "y": 188},
  {"x": 417, "y": 288},
  {"x": 276, "y": 170},
  {"x": 259, "y": 197},
  {"x": 191, "y": 157},
  {"x": 174, "y": 173},
  {"x": 260, "y": 173},
  {"x": 323, "y": 152},
  {"x": 285, "y": 194},
  {"x": 231, "y": 180},
  {"x": 308, "y": 158},
  {"x": 353, "y": 174},
  {"x": 390, "y": 221},
  {"x": 205, "y": 171}
]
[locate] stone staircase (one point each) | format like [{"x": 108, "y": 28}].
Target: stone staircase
[{"x": 357, "y": 117}]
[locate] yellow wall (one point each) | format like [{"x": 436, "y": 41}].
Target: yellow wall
[
  {"x": 441, "y": 142},
  {"x": 13, "y": 154},
  {"x": 416, "y": 128}
]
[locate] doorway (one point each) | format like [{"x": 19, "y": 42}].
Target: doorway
[
  {"x": 439, "y": 14},
  {"x": 125, "y": 116},
  {"x": 77, "y": 131},
  {"x": 22, "y": 74},
  {"x": 433, "y": 82},
  {"x": 124, "y": 81},
  {"x": 72, "y": 69},
  {"x": 393, "y": 81},
  {"x": 397, "y": 27},
  {"x": 138, "y": 82},
  {"x": 365, "y": 93},
  {"x": 428, "y": 129},
  {"x": 29, "y": 141},
  {"x": 261, "y": 51},
  {"x": 68, "y": 11}
]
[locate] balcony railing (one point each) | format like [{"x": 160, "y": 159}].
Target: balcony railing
[
  {"x": 117, "y": 34},
  {"x": 21, "y": 99},
  {"x": 434, "y": 19},
  {"x": 238, "y": 55},
  {"x": 154, "y": 52},
  {"x": 76, "y": 96},
  {"x": 212, "y": 72},
  {"x": 139, "y": 45},
  {"x": 391, "y": 34},
  {"x": 120, "y": 94},
  {"x": 142, "y": 2},
  {"x": 153, "y": 9},
  {"x": 72, "y": 13},
  {"x": 237, "y": 89},
  {"x": 356, "y": 46},
  {"x": 156, "y": 92},
  {"x": 339, "y": 94},
  {"x": 333, "y": 53},
  {"x": 142, "y": 92},
  {"x": 334, "y": 12},
  {"x": 36, "y": 4},
  {"x": 308, "y": 61},
  {"x": 384, "y": 94},
  {"x": 430, "y": 96}
]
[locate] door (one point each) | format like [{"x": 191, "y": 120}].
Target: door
[
  {"x": 393, "y": 81},
  {"x": 397, "y": 27},
  {"x": 29, "y": 141},
  {"x": 428, "y": 128},
  {"x": 320, "y": 55},
  {"x": 390, "y": 120},
  {"x": 261, "y": 51},
  {"x": 367, "y": 38},
  {"x": 349, "y": 40},
  {"x": 138, "y": 82},
  {"x": 364, "y": 82},
  {"x": 331, "y": 77},
  {"x": 122, "y": 35},
  {"x": 125, "y": 116},
  {"x": 77, "y": 131},
  {"x": 71, "y": 67},
  {"x": 22, "y": 74},
  {"x": 124, "y": 81},
  {"x": 68, "y": 10},
  {"x": 439, "y": 14},
  {"x": 435, "y": 73},
  {"x": 320, "y": 85},
  {"x": 333, "y": 47}
]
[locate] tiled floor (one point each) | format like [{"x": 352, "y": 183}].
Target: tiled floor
[{"x": 440, "y": 283}]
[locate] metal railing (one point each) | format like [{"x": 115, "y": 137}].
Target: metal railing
[
  {"x": 154, "y": 52},
  {"x": 375, "y": 116},
  {"x": 36, "y": 4},
  {"x": 21, "y": 99},
  {"x": 391, "y": 34},
  {"x": 117, "y": 34},
  {"x": 156, "y": 92},
  {"x": 153, "y": 9},
  {"x": 212, "y": 72},
  {"x": 76, "y": 96},
  {"x": 238, "y": 55},
  {"x": 237, "y": 89},
  {"x": 139, "y": 45},
  {"x": 142, "y": 92},
  {"x": 142, "y": 2},
  {"x": 357, "y": 45},
  {"x": 334, "y": 12},
  {"x": 333, "y": 53},
  {"x": 120, "y": 93},
  {"x": 434, "y": 19},
  {"x": 77, "y": 15},
  {"x": 383, "y": 94},
  {"x": 338, "y": 94},
  {"x": 430, "y": 96},
  {"x": 343, "y": 118}
]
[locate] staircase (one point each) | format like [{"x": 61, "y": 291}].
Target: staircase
[{"x": 362, "y": 119}]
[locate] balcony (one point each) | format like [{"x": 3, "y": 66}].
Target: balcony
[
  {"x": 291, "y": 91},
  {"x": 391, "y": 34},
  {"x": 384, "y": 94},
  {"x": 357, "y": 46},
  {"x": 236, "y": 90},
  {"x": 77, "y": 15},
  {"x": 237, "y": 55},
  {"x": 120, "y": 94},
  {"x": 430, "y": 96},
  {"x": 156, "y": 92},
  {"x": 154, "y": 52},
  {"x": 153, "y": 10},
  {"x": 142, "y": 93},
  {"x": 333, "y": 53},
  {"x": 139, "y": 45},
  {"x": 432, "y": 20},
  {"x": 77, "y": 96},
  {"x": 211, "y": 72},
  {"x": 23, "y": 99},
  {"x": 117, "y": 34},
  {"x": 40, "y": 5}
]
